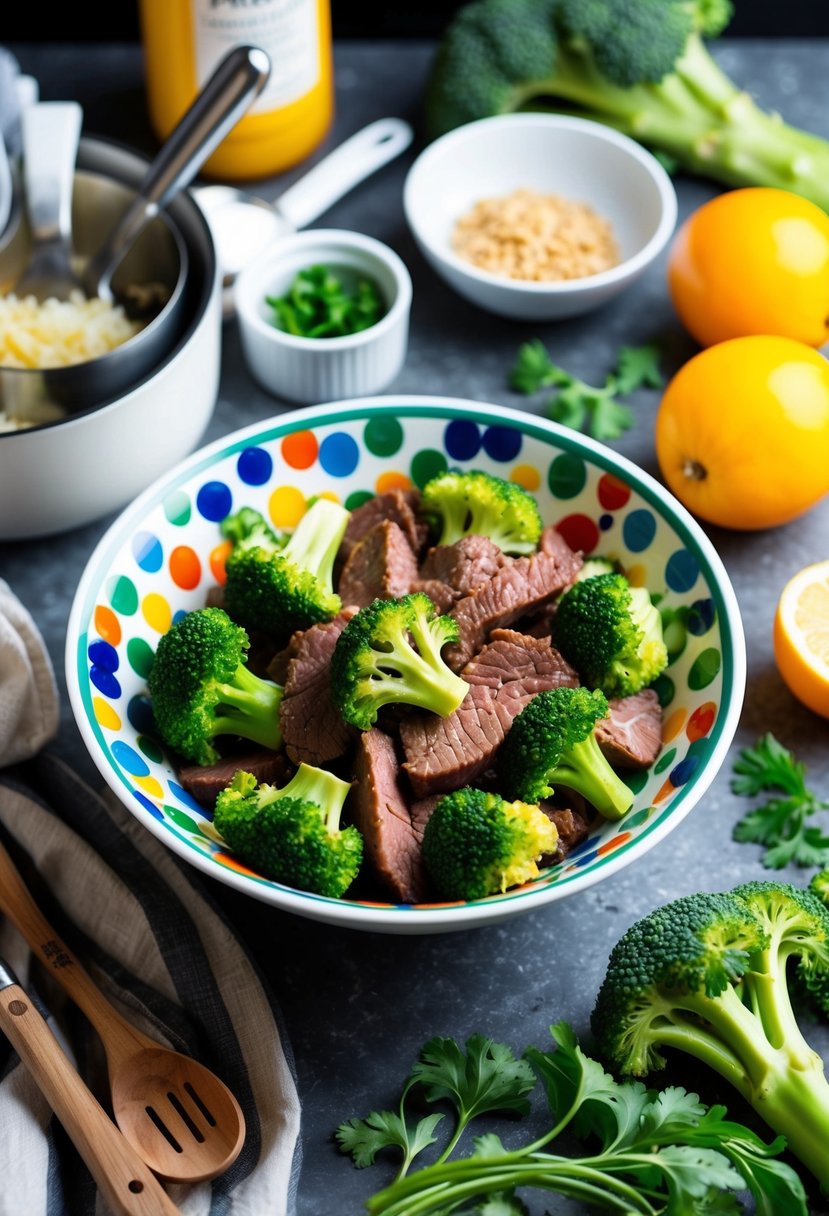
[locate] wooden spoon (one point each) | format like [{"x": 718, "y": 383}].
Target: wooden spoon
[
  {"x": 121, "y": 1176},
  {"x": 178, "y": 1116}
]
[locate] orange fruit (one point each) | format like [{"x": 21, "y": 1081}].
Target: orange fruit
[
  {"x": 753, "y": 261},
  {"x": 742, "y": 432},
  {"x": 801, "y": 636}
]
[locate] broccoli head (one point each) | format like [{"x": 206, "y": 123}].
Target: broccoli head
[
  {"x": 707, "y": 975},
  {"x": 201, "y": 688},
  {"x": 611, "y": 633},
  {"x": 276, "y": 587},
  {"x": 552, "y": 742},
  {"x": 479, "y": 504},
  {"x": 292, "y": 835},
  {"x": 389, "y": 653},
  {"x": 476, "y": 844},
  {"x": 639, "y": 66}
]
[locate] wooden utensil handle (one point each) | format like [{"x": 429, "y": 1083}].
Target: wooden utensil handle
[
  {"x": 18, "y": 905},
  {"x": 122, "y": 1177}
]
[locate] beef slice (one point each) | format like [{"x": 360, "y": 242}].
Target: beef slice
[
  {"x": 631, "y": 736},
  {"x": 312, "y": 726},
  {"x": 380, "y": 566},
  {"x": 379, "y": 811}
]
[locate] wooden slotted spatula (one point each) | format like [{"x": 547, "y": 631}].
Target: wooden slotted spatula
[{"x": 178, "y": 1116}]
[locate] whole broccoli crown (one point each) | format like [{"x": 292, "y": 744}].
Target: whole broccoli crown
[
  {"x": 480, "y": 504},
  {"x": 697, "y": 945},
  {"x": 390, "y": 652},
  {"x": 268, "y": 592},
  {"x": 476, "y": 844},
  {"x": 611, "y": 633},
  {"x": 543, "y": 733},
  {"x": 248, "y": 527},
  {"x": 489, "y": 52}
]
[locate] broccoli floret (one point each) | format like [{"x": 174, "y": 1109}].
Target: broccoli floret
[
  {"x": 611, "y": 633},
  {"x": 475, "y": 843},
  {"x": 201, "y": 688},
  {"x": 639, "y": 66},
  {"x": 292, "y": 835},
  {"x": 819, "y": 886},
  {"x": 479, "y": 504},
  {"x": 552, "y": 742},
  {"x": 278, "y": 588},
  {"x": 596, "y": 565},
  {"x": 389, "y": 653},
  {"x": 706, "y": 974}
]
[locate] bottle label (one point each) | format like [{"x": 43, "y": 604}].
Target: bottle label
[{"x": 285, "y": 29}]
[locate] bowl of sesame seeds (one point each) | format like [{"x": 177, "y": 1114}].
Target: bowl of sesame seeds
[{"x": 538, "y": 216}]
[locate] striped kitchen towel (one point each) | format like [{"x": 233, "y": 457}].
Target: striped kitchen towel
[{"x": 155, "y": 943}]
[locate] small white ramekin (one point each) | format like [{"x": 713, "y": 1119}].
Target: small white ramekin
[{"x": 311, "y": 370}]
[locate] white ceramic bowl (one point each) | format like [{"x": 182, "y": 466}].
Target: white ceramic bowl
[
  {"x": 162, "y": 555},
  {"x": 551, "y": 154},
  {"x": 309, "y": 370},
  {"x": 67, "y": 473}
]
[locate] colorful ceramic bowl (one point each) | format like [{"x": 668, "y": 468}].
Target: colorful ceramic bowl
[{"x": 161, "y": 556}]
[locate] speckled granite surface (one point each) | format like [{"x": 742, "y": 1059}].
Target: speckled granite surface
[{"x": 358, "y": 1007}]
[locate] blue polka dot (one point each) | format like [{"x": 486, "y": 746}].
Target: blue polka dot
[
  {"x": 130, "y": 759},
  {"x": 639, "y": 529},
  {"x": 103, "y": 655},
  {"x": 681, "y": 571},
  {"x": 462, "y": 439},
  {"x": 179, "y": 615},
  {"x": 684, "y": 770},
  {"x": 214, "y": 501},
  {"x": 701, "y": 616},
  {"x": 584, "y": 859},
  {"x": 186, "y": 799},
  {"x": 339, "y": 454},
  {"x": 144, "y": 801},
  {"x": 147, "y": 551},
  {"x": 605, "y": 522},
  {"x": 502, "y": 442},
  {"x": 140, "y": 715},
  {"x": 105, "y": 682},
  {"x": 254, "y": 466}
]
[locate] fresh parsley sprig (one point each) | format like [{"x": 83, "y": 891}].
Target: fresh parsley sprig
[
  {"x": 658, "y": 1153},
  {"x": 576, "y": 403},
  {"x": 783, "y": 823},
  {"x": 319, "y": 304}
]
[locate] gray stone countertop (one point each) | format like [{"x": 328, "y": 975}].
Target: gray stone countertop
[{"x": 359, "y": 1006}]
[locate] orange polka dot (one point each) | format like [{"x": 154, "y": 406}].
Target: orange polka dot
[
  {"x": 299, "y": 451},
  {"x": 701, "y": 721},
  {"x": 217, "y": 559},
  {"x": 636, "y": 576},
  {"x": 526, "y": 475},
  {"x": 286, "y": 507},
  {"x": 185, "y": 567},
  {"x": 107, "y": 624},
  {"x": 664, "y": 791},
  {"x": 615, "y": 843},
  {"x": 392, "y": 481},
  {"x": 672, "y": 725},
  {"x": 232, "y": 864}
]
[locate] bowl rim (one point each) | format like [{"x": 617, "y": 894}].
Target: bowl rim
[
  {"x": 283, "y": 246},
  {"x": 386, "y": 917},
  {"x": 557, "y": 287}
]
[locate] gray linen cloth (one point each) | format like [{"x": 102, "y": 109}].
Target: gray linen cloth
[{"x": 153, "y": 941}]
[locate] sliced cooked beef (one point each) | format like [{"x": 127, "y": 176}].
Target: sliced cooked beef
[
  {"x": 312, "y": 727},
  {"x": 441, "y": 594},
  {"x": 400, "y": 506},
  {"x": 519, "y": 588},
  {"x": 445, "y": 753},
  {"x": 379, "y": 811},
  {"x": 278, "y": 666},
  {"x": 573, "y": 827},
  {"x": 205, "y": 782},
  {"x": 380, "y": 566},
  {"x": 215, "y": 597},
  {"x": 466, "y": 564},
  {"x": 631, "y": 735},
  {"x": 515, "y": 667},
  {"x": 421, "y": 813},
  {"x": 553, "y": 544}
]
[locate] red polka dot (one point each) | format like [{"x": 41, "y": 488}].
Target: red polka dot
[
  {"x": 185, "y": 568},
  {"x": 701, "y": 721},
  {"x": 579, "y": 531},
  {"x": 613, "y": 493},
  {"x": 299, "y": 451}
]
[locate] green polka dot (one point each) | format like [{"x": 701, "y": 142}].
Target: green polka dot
[
  {"x": 140, "y": 656},
  {"x": 177, "y": 508},
  {"x": 699, "y": 747},
  {"x": 665, "y": 689},
  {"x": 635, "y": 782},
  {"x": 567, "y": 475},
  {"x": 665, "y": 761},
  {"x": 180, "y": 819},
  {"x": 356, "y": 499},
  {"x": 704, "y": 668},
  {"x": 426, "y": 465},
  {"x": 150, "y": 748},
  {"x": 638, "y": 818},
  {"x": 383, "y": 435},
  {"x": 123, "y": 595}
]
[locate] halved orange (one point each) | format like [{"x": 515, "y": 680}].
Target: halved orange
[{"x": 801, "y": 636}]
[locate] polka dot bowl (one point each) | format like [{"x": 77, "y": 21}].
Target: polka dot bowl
[{"x": 164, "y": 552}]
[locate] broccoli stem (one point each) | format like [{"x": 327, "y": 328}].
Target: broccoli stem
[
  {"x": 406, "y": 677},
  {"x": 251, "y": 707},
  {"x": 315, "y": 540},
  {"x": 696, "y": 114},
  {"x": 316, "y": 785},
  {"x": 584, "y": 769}
]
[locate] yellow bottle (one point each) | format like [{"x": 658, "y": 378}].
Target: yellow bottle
[{"x": 183, "y": 41}]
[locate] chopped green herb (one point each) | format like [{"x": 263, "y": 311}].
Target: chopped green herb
[
  {"x": 782, "y": 823},
  {"x": 318, "y": 304}
]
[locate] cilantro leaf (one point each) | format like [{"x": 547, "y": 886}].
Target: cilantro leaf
[
  {"x": 484, "y": 1077},
  {"x": 364, "y": 1138},
  {"x": 780, "y": 824},
  {"x": 638, "y": 367},
  {"x": 534, "y": 369},
  {"x": 608, "y": 417}
]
